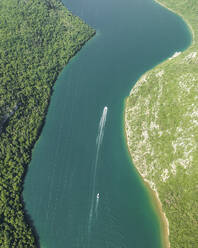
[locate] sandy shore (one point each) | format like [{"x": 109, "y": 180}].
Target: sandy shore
[
  {"x": 164, "y": 224},
  {"x": 154, "y": 197}
]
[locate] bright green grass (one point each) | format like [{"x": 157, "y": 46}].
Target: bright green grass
[{"x": 162, "y": 132}]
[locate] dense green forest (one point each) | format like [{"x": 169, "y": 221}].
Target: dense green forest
[{"x": 37, "y": 38}]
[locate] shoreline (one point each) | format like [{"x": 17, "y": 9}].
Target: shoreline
[
  {"x": 23, "y": 129},
  {"x": 186, "y": 21},
  {"x": 153, "y": 193},
  {"x": 163, "y": 220}
]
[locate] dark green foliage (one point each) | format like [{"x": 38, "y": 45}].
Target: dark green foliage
[{"x": 37, "y": 38}]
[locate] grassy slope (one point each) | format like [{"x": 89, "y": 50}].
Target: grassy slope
[
  {"x": 37, "y": 38},
  {"x": 162, "y": 132}
]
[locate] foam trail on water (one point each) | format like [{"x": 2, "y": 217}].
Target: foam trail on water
[
  {"x": 94, "y": 198},
  {"x": 97, "y": 203},
  {"x": 101, "y": 129}
]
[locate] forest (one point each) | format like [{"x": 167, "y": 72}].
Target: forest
[{"x": 37, "y": 39}]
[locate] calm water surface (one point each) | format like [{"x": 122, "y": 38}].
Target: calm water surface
[{"x": 82, "y": 191}]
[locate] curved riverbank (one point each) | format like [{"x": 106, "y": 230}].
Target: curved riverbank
[
  {"x": 149, "y": 132},
  {"x": 155, "y": 200},
  {"x": 38, "y": 38},
  {"x": 182, "y": 16},
  {"x": 58, "y": 189},
  {"x": 164, "y": 224}
]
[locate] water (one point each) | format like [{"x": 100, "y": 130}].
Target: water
[
  {"x": 94, "y": 203},
  {"x": 97, "y": 203},
  {"x": 69, "y": 168}
]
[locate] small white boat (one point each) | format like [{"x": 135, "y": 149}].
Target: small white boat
[{"x": 98, "y": 195}]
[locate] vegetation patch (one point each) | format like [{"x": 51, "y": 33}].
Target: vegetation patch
[
  {"x": 37, "y": 38},
  {"x": 161, "y": 121}
]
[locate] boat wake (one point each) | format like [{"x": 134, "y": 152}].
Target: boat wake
[
  {"x": 97, "y": 203},
  {"x": 95, "y": 197}
]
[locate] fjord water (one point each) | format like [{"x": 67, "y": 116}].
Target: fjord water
[{"x": 81, "y": 189}]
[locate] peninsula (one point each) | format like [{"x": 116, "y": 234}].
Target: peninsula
[
  {"x": 37, "y": 39},
  {"x": 161, "y": 123}
]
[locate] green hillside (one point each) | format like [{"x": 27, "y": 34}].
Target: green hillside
[{"x": 161, "y": 121}]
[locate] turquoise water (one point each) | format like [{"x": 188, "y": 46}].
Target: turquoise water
[{"x": 82, "y": 191}]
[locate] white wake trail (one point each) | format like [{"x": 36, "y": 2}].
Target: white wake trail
[
  {"x": 97, "y": 203},
  {"x": 100, "y": 132},
  {"x": 94, "y": 197}
]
